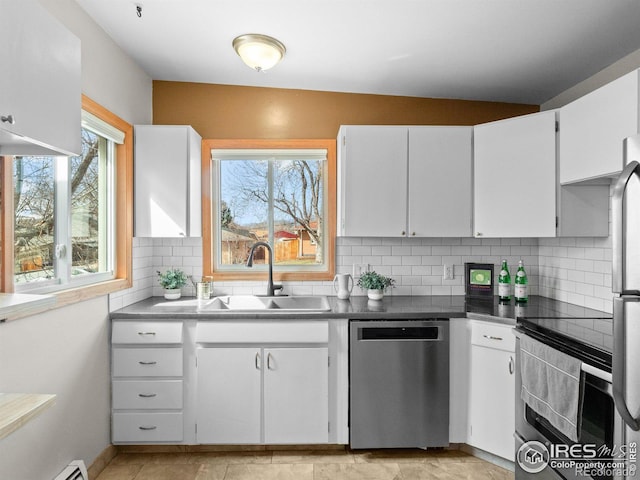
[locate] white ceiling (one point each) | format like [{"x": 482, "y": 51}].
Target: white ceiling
[{"x": 524, "y": 51}]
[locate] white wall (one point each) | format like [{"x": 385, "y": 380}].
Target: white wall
[
  {"x": 615, "y": 70},
  {"x": 65, "y": 351},
  {"x": 109, "y": 76}
]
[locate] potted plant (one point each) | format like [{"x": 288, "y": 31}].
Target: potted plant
[
  {"x": 375, "y": 284},
  {"x": 172, "y": 280}
]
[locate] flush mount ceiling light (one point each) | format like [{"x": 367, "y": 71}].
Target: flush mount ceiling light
[{"x": 259, "y": 52}]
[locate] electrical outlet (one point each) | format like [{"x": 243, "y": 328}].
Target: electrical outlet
[
  {"x": 447, "y": 272},
  {"x": 359, "y": 269}
]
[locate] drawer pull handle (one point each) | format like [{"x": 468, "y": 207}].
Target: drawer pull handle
[
  {"x": 491, "y": 337},
  {"x": 146, "y": 333},
  {"x": 147, "y": 363},
  {"x": 151, "y": 427},
  {"x": 511, "y": 369},
  {"x": 147, "y": 395}
]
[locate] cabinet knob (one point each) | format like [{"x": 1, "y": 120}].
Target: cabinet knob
[
  {"x": 478, "y": 234},
  {"x": 403, "y": 232},
  {"x": 8, "y": 119},
  {"x": 413, "y": 234}
]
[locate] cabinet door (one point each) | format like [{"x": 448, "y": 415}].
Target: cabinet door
[
  {"x": 228, "y": 398},
  {"x": 440, "y": 181},
  {"x": 296, "y": 401},
  {"x": 593, "y": 127},
  {"x": 373, "y": 181},
  {"x": 40, "y": 85},
  {"x": 515, "y": 177},
  {"x": 167, "y": 189},
  {"x": 492, "y": 401}
]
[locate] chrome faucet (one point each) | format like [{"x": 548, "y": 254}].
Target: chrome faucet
[{"x": 271, "y": 288}]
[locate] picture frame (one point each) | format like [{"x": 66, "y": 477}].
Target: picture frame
[{"x": 478, "y": 280}]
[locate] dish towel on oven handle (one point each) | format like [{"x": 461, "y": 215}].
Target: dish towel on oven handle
[{"x": 552, "y": 385}]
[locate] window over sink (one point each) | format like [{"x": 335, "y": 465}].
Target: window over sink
[{"x": 277, "y": 191}]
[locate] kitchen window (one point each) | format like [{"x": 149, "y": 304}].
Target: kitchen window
[
  {"x": 277, "y": 191},
  {"x": 70, "y": 216}
]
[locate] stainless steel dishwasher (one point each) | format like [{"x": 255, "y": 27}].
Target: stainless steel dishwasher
[{"x": 399, "y": 383}]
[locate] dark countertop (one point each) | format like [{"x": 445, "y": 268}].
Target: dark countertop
[
  {"x": 579, "y": 324},
  {"x": 360, "y": 308}
]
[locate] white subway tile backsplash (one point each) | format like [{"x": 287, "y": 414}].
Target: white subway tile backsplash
[{"x": 574, "y": 270}]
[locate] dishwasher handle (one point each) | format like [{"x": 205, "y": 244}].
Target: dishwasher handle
[{"x": 386, "y": 334}]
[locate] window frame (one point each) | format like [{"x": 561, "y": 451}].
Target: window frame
[
  {"x": 209, "y": 220},
  {"x": 123, "y": 218}
]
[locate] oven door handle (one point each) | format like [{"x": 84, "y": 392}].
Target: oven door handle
[{"x": 619, "y": 372}]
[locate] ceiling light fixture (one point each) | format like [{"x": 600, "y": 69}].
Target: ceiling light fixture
[{"x": 259, "y": 52}]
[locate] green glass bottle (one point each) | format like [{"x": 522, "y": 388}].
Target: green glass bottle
[
  {"x": 504, "y": 283},
  {"x": 521, "y": 284}
]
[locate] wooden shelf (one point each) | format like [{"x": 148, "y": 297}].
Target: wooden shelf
[{"x": 16, "y": 409}]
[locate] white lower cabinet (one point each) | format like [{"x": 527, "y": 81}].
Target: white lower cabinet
[
  {"x": 249, "y": 395},
  {"x": 296, "y": 398},
  {"x": 147, "y": 387},
  {"x": 492, "y": 389},
  {"x": 228, "y": 400},
  {"x": 262, "y": 382}
]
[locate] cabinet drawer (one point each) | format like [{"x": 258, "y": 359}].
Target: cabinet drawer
[
  {"x": 147, "y": 394},
  {"x": 147, "y": 362},
  {"x": 493, "y": 336},
  {"x": 147, "y": 427},
  {"x": 143, "y": 333},
  {"x": 269, "y": 331}
]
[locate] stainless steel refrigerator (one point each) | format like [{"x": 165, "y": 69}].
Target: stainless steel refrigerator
[{"x": 625, "y": 209}]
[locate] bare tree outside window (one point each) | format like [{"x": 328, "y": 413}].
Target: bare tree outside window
[
  {"x": 279, "y": 200},
  {"x": 35, "y": 180},
  {"x": 33, "y": 199}
]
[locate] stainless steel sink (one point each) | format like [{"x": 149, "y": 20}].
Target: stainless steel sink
[{"x": 255, "y": 304}]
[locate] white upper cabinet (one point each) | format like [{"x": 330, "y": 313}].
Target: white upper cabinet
[
  {"x": 396, "y": 181},
  {"x": 515, "y": 177},
  {"x": 372, "y": 181},
  {"x": 167, "y": 166},
  {"x": 593, "y": 127},
  {"x": 40, "y": 85},
  {"x": 440, "y": 181}
]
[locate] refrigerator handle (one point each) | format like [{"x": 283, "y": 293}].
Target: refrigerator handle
[
  {"x": 617, "y": 216},
  {"x": 619, "y": 368}
]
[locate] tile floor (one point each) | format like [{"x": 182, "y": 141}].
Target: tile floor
[{"x": 303, "y": 465}]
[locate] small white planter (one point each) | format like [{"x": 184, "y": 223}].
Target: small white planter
[
  {"x": 172, "y": 293},
  {"x": 375, "y": 294}
]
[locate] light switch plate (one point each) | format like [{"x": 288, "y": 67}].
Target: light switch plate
[{"x": 359, "y": 269}]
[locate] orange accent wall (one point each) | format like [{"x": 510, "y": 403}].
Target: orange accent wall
[{"x": 226, "y": 111}]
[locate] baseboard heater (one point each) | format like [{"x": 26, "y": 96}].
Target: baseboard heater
[{"x": 76, "y": 470}]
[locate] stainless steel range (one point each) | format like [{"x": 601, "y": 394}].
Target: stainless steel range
[{"x": 597, "y": 448}]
